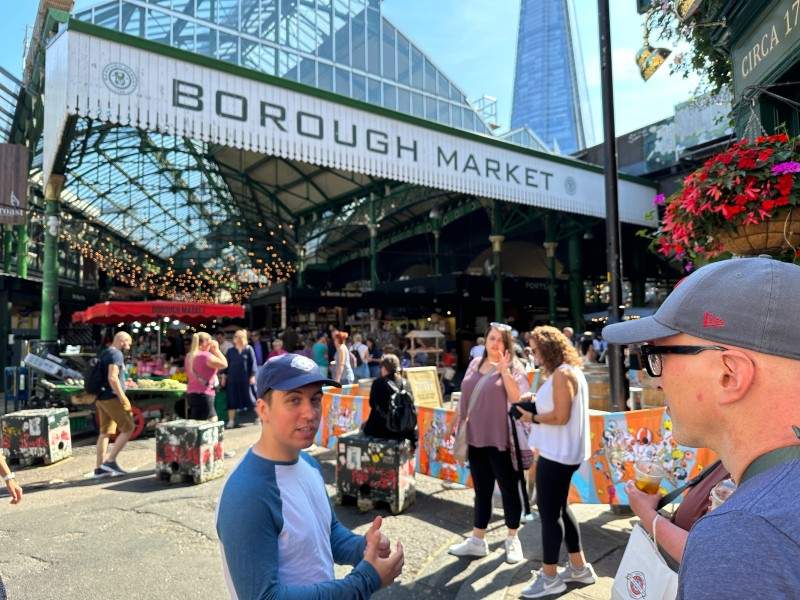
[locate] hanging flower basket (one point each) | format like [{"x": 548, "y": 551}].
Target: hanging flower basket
[
  {"x": 774, "y": 236},
  {"x": 745, "y": 200}
]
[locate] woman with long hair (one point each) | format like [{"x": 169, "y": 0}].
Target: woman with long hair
[
  {"x": 561, "y": 434},
  {"x": 201, "y": 364},
  {"x": 342, "y": 369},
  {"x": 380, "y": 399},
  {"x": 496, "y": 379},
  {"x": 240, "y": 376}
]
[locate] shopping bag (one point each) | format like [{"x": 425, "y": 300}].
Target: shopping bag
[{"x": 643, "y": 572}]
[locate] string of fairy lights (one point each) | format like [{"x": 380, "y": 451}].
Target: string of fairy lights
[{"x": 232, "y": 279}]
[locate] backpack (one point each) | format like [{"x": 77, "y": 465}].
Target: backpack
[
  {"x": 95, "y": 379},
  {"x": 402, "y": 414}
]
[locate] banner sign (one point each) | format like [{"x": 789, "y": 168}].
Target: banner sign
[
  {"x": 152, "y": 89},
  {"x": 618, "y": 440},
  {"x": 13, "y": 184}
]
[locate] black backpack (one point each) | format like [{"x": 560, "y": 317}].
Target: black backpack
[
  {"x": 94, "y": 380},
  {"x": 402, "y": 414}
]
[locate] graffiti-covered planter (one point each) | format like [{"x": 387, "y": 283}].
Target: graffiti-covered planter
[
  {"x": 375, "y": 470},
  {"x": 189, "y": 450},
  {"x": 40, "y": 434}
]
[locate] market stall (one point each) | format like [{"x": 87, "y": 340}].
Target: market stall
[{"x": 152, "y": 393}]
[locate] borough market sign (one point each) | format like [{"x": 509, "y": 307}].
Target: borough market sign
[{"x": 104, "y": 75}]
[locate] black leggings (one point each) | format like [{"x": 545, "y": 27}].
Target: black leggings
[
  {"x": 201, "y": 406},
  {"x": 488, "y": 465},
  {"x": 558, "y": 521}
]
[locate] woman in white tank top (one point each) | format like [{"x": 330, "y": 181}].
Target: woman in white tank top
[{"x": 561, "y": 435}]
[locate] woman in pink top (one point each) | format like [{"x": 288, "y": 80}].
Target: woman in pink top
[
  {"x": 498, "y": 380},
  {"x": 201, "y": 364}
]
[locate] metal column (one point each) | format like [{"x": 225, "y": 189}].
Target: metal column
[
  {"x": 576, "y": 291},
  {"x": 22, "y": 250},
  {"x": 373, "y": 244},
  {"x": 497, "y": 248},
  {"x": 50, "y": 271},
  {"x": 615, "y": 364}
]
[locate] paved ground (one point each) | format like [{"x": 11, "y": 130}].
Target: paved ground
[{"x": 135, "y": 537}]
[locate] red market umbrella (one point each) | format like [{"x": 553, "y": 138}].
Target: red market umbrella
[{"x": 187, "y": 312}]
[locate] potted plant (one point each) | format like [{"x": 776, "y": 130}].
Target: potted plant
[{"x": 743, "y": 201}]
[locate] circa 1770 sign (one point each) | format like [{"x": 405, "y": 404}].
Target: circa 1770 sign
[
  {"x": 763, "y": 48},
  {"x": 13, "y": 183}
]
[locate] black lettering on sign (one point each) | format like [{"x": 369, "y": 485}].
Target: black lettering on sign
[
  {"x": 381, "y": 146},
  {"x": 302, "y": 117},
  {"x": 400, "y": 148},
  {"x": 471, "y": 165},
  {"x": 447, "y": 160},
  {"x": 241, "y": 115},
  {"x": 510, "y": 173},
  {"x": 351, "y": 143},
  {"x": 493, "y": 166},
  {"x": 530, "y": 177},
  {"x": 187, "y": 95},
  {"x": 273, "y": 112},
  {"x": 547, "y": 177}
]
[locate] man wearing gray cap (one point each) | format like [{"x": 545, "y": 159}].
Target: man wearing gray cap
[
  {"x": 278, "y": 532},
  {"x": 726, "y": 346}
]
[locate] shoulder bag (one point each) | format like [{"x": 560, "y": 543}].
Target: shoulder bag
[
  {"x": 460, "y": 445},
  {"x": 643, "y": 572}
]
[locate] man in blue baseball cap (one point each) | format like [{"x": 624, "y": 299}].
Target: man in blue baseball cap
[
  {"x": 726, "y": 347},
  {"x": 279, "y": 535}
]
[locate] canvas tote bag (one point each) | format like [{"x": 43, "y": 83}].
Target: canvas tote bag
[{"x": 643, "y": 572}]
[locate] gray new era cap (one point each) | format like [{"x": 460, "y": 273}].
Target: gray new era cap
[{"x": 745, "y": 302}]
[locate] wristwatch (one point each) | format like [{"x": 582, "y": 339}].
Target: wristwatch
[{"x": 11, "y": 475}]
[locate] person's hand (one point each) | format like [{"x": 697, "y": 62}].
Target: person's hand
[
  {"x": 504, "y": 363},
  {"x": 252, "y": 380},
  {"x": 644, "y": 505},
  {"x": 527, "y": 416},
  {"x": 213, "y": 346},
  {"x": 527, "y": 397},
  {"x": 14, "y": 490},
  {"x": 389, "y": 566}
]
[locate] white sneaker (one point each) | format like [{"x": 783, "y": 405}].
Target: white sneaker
[
  {"x": 471, "y": 546},
  {"x": 513, "y": 550},
  {"x": 585, "y": 574},
  {"x": 542, "y": 585}
]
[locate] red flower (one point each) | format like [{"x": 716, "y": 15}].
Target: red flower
[
  {"x": 785, "y": 183},
  {"x": 747, "y": 162},
  {"x": 765, "y": 154},
  {"x": 725, "y": 158},
  {"x": 731, "y": 211}
]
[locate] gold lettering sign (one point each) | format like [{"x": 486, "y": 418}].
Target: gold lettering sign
[{"x": 425, "y": 387}]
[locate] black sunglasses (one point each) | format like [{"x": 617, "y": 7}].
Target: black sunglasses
[{"x": 653, "y": 363}]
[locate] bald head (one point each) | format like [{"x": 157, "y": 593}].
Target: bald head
[{"x": 122, "y": 340}]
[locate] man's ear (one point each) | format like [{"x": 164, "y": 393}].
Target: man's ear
[
  {"x": 262, "y": 410},
  {"x": 737, "y": 375}
]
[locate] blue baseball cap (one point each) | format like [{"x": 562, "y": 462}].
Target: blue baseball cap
[{"x": 289, "y": 372}]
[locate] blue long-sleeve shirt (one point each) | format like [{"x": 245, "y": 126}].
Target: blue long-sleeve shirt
[{"x": 280, "y": 536}]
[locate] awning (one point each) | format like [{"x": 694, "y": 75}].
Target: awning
[{"x": 187, "y": 312}]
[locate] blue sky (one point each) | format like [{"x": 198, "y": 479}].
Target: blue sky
[{"x": 474, "y": 42}]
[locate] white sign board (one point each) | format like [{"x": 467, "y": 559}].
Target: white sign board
[{"x": 152, "y": 89}]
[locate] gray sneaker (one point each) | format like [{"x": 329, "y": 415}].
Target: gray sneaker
[
  {"x": 112, "y": 468},
  {"x": 542, "y": 585},
  {"x": 585, "y": 574}
]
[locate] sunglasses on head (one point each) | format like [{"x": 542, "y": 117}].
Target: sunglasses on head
[{"x": 500, "y": 326}]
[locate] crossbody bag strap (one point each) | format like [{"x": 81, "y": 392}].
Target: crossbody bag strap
[
  {"x": 769, "y": 460},
  {"x": 691, "y": 483}
]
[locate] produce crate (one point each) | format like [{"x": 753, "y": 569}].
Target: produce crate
[
  {"x": 189, "y": 450},
  {"x": 374, "y": 470},
  {"x": 37, "y": 435}
]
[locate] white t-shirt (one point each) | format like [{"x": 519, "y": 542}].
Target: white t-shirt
[{"x": 568, "y": 444}]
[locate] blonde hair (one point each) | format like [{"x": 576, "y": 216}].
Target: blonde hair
[
  {"x": 122, "y": 335},
  {"x": 197, "y": 339},
  {"x": 242, "y": 333}
]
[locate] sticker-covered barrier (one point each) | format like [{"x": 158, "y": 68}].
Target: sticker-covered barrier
[{"x": 618, "y": 440}]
